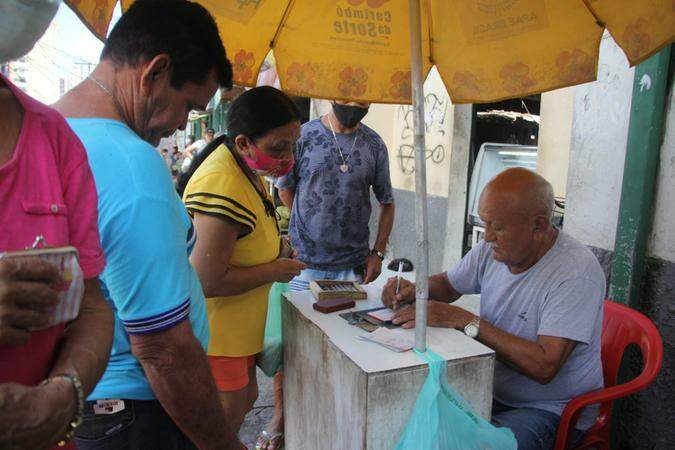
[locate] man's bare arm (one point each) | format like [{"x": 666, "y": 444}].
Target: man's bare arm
[
  {"x": 287, "y": 196},
  {"x": 180, "y": 377}
]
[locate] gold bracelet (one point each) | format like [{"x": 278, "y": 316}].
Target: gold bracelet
[{"x": 79, "y": 415}]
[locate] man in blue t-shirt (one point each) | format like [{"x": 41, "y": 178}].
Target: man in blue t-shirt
[
  {"x": 542, "y": 294},
  {"x": 157, "y": 391},
  {"x": 338, "y": 161}
]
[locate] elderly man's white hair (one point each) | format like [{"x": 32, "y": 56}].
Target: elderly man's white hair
[{"x": 545, "y": 198}]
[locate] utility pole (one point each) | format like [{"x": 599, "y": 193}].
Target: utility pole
[{"x": 89, "y": 68}]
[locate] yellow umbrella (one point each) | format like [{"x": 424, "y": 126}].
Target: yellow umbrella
[
  {"x": 485, "y": 50},
  {"x": 380, "y": 51}
]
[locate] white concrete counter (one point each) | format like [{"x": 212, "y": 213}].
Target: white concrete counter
[{"x": 344, "y": 393}]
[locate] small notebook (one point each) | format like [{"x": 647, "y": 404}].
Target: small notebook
[{"x": 383, "y": 315}]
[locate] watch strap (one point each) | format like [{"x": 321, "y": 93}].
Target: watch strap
[{"x": 377, "y": 253}]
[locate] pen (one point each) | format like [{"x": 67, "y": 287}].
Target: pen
[{"x": 398, "y": 281}]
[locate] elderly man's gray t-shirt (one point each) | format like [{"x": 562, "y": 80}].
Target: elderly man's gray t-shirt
[
  {"x": 561, "y": 296},
  {"x": 331, "y": 209}
]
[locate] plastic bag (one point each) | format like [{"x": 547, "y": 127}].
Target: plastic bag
[
  {"x": 271, "y": 358},
  {"x": 443, "y": 420}
]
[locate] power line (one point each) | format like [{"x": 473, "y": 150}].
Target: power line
[
  {"x": 44, "y": 75},
  {"x": 65, "y": 52},
  {"x": 45, "y": 55}
]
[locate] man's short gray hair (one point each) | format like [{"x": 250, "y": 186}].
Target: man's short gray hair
[{"x": 544, "y": 197}]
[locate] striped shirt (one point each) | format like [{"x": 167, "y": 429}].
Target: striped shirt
[{"x": 219, "y": 188}]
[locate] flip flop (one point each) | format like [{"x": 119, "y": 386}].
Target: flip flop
[{"x": 270, "y": 441}]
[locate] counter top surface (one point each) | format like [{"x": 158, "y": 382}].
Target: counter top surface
[{"x": 371, "y": 357}]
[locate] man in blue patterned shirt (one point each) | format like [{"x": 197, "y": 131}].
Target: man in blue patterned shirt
[{"x": 338, "y": 160}]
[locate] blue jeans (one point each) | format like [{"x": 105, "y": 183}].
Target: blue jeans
[
  {"x": 301, "y": 282},
  {"x": 141, "y": 425},
  {"x": 534, "y": 429}
]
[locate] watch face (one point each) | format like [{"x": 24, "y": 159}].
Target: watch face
[{"x": 471, "y": 330}]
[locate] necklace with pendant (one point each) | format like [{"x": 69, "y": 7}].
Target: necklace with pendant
[{"x": 344, "y": 167}]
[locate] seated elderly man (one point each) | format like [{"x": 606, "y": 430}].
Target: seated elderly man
[{"x": 541, "y": 303}]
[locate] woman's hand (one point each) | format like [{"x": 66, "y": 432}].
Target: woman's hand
[
  {"x": 286, "y": 250},
  {"x": 285, "y": 269}
]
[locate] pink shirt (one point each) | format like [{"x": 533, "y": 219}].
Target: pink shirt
[{"x": 46, "y": 189}]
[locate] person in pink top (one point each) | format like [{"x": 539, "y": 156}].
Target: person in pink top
[{"x": 47, "y": 189}]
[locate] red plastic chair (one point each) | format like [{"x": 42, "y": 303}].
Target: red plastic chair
[{"x": 621, "y": 327}]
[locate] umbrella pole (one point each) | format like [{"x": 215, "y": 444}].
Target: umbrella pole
[{"x": 422, "y": 268}]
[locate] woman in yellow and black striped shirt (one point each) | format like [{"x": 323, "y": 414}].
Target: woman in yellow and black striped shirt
[{"x": 239, "y": 252}]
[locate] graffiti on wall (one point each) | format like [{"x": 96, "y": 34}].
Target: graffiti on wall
[{"x": 435, "y": 113}]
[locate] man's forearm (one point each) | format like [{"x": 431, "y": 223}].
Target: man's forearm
[
  {"x": 441, "y": 290},
  {"x": 287, "y": 196},
  {"x": 527, "y": 357},
  {"x": 384, "y": 226},
  {"x": 85, "y": 348},
  {"x": 184, "y": 386}
]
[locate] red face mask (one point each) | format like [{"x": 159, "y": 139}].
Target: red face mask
[{"x": 266, "y": 165}]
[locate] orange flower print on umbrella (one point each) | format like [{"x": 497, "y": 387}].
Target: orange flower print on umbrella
[
  {"x": 353, "y": 82},
  {"x": 400, "y": 85},
  {"x": 243, "y": 66},
  {"x": 516, "y": 77},
  {"x": 636, "y": 38},
  {"x": 466, "y": 85},
  {"x": 300, "y": 77},
  {"x": 370, "y": 3},
  {"x": 575, "y": 66}
]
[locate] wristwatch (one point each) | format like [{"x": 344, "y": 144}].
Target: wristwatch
[
  {"x": 471, "y": 329},
  {"x": 378, "y": 253}
]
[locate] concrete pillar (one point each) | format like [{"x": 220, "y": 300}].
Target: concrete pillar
[
  {"x": 457, "y": 185},
  {"x": 555, "y": 133}
]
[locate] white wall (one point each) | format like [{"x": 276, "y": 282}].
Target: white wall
[
  {"x": 662, "y": 239},
  {"x": 598, "y": 148},
  {"x": 438, "y": 121},
  {"x": 555, "y": 133},
  {"x": 597, "y": 153}
]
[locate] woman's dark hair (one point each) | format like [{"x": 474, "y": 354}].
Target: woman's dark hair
[
  {"x": 254, "y": 113},
  {"x": 181, "y": 29}
]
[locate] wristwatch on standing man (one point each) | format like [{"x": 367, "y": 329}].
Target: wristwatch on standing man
[{"x": 378, "y": 253}]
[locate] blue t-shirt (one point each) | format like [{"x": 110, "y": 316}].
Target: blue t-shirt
[
  {"x": 562, "y": 295},
  {"x": 331, "y": 209},
  {"x": 146, "y": 236}
]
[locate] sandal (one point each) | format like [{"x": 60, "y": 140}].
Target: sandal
[{"x": 270, "y": 441}]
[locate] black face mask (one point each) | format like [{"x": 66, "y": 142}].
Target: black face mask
[{"x": 349, "y": 116}]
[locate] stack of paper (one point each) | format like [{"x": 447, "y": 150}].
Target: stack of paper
[{"x": 396, "y": 340}]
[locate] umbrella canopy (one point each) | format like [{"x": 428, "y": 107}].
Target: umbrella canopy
[{"x": 485, "y": 50}]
